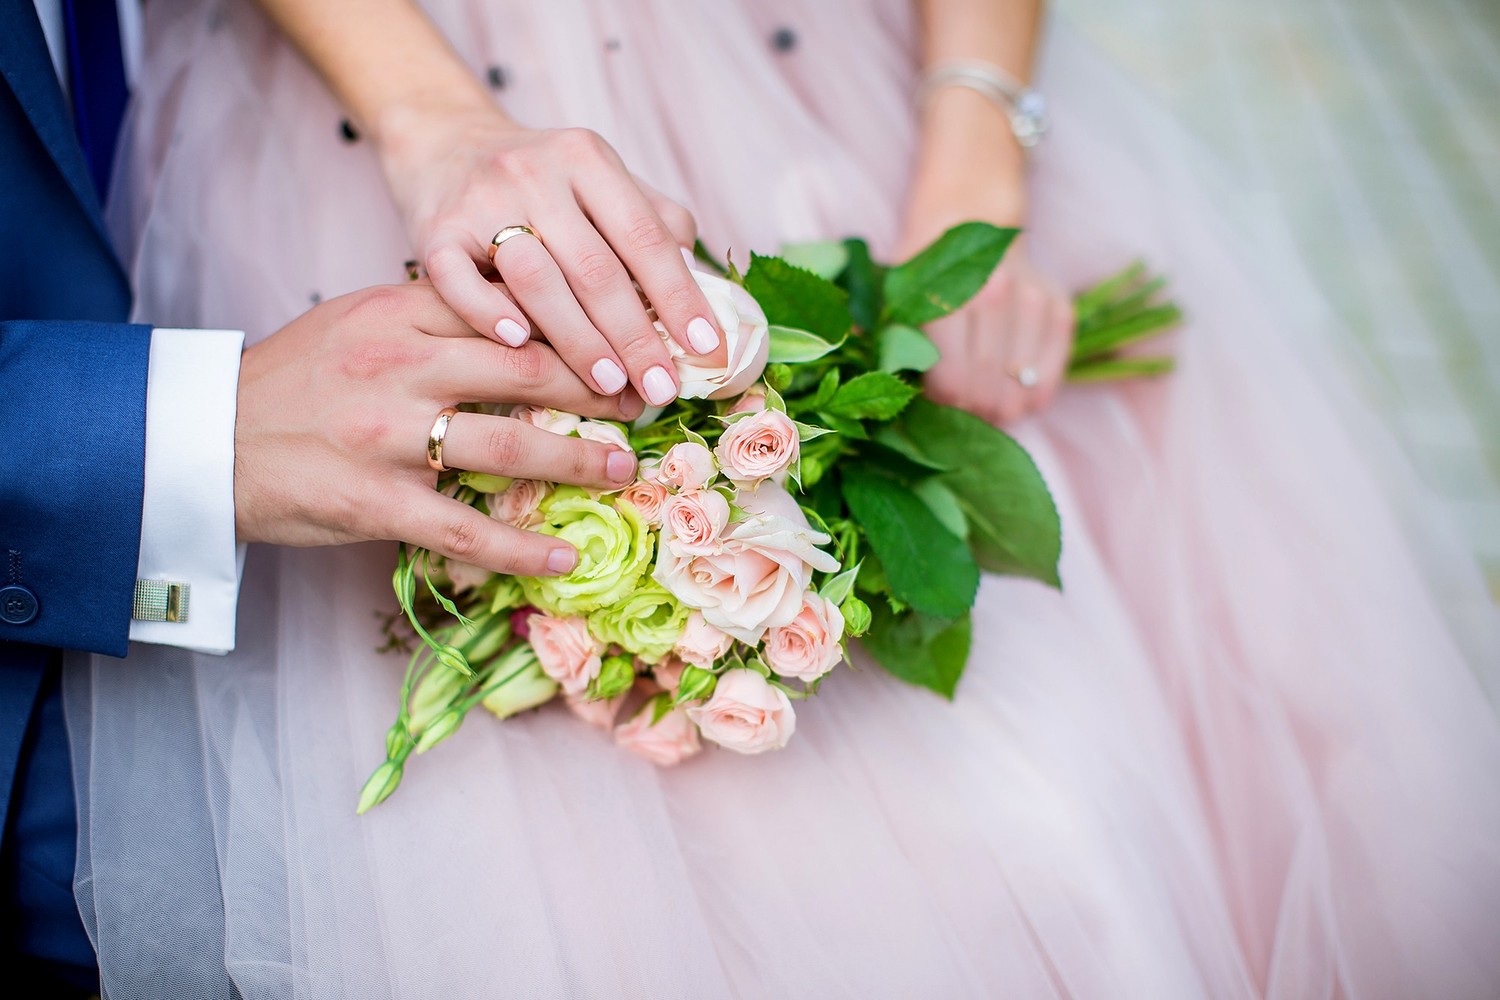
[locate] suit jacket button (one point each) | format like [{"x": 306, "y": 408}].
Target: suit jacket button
[{"x": 18, "y": 605}]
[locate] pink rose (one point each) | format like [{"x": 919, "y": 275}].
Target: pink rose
[
  {"x": 569, "y": 655},
  {"x": 599, "y": 713},
  {"x": 517, "y": 505},
  {"x": 755, "y": 577},
  {"x": 747, "y": 338},
  {"x": 808, "y": 647},
  {"x": 751, "y": 402},
  {"x": 548, "y": 419},
  {"x": 688, "y": 466},
  {"x": 746, "y": 714},
  {"x": 693, "y": 522},
  {"x": 761, "y": 446},
  {"x": 598, "y": 430},
  {"x": 702, "y": 644},
  {"x": 465, "y": 576},
  {"x": 668, "y": 672},
  {"x": 646, "y": 497},
  {"x": 672, "y": 739}
]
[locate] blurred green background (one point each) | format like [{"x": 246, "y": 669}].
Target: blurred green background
[{"x": 1372, "y": 129}]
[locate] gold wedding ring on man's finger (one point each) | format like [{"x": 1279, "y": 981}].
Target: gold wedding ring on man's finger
[
  {"x": 510, "y": 232},
  {"x": 435, "y": 438}
]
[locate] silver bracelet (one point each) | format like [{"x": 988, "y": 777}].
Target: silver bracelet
[{"x": 1026, "y": 108}]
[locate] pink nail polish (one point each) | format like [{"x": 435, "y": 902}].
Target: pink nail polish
[
  {"x": 511, "y": 332},
  {"x": 619, "y": 466},
  {"x": 659, "y": 387},
  {"x": 702, "y": 335},
  {"x": 608, "y": 375},
  {"x": 561, "y": 560}
]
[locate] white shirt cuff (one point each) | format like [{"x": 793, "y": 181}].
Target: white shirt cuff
[{"x": 187, "y": 518}]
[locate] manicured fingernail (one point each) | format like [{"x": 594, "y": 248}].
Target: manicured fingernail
[
  {"x": 608, "y": 375},
  {"x": 620, "y": 466},
  {"x": 659, "y": 387},
  {"x": 511, "y": 332},
  {"x": 561, "y": 560},
  {"x": 702, "y": 336}
]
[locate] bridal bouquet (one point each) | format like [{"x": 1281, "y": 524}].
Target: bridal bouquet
[{"x": 803, "y": 495}]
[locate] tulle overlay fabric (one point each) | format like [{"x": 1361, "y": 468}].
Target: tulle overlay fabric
[{"x": 1245, "y": 752}]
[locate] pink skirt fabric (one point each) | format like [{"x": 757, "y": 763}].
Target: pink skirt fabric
[{"x": 1246, "y": 751}]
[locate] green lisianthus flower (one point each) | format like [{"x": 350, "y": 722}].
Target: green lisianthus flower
[
  {"x": 648, "y": 622},
  {"x": 614, "y": 552}
]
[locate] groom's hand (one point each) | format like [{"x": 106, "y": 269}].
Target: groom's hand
[{"x": 334, "y": 415}]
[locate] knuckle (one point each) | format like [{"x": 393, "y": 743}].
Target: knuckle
[
  {"x": 526, "y": 271},
  {"x": 525, "y": 368},
  {"x": 505, "y": 445},
  {"x": 679, "y": 297},
  {"x": 597, "y": 268},
  {"x": 462, "y": 539},
  {"x": 446, "y": 261},
  {"x": 581, "y": 141},
  {"x": 647, "y": 236},
  {"x": 372, "y": 360}
]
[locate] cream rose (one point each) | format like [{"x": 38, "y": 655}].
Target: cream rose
[
  {"x": 702, "y": 644},
  {"x": 568, "y": 653},
  {"x": 465, "y": 576},
  {"x": 755, "y": 577},
  {"x": 746, "y": 336},
  {"x": 807, "y": 647},
  {"x": 695, "y": 521},
  {"x": 648, "y": 497},
  {"x": 672, "y": 739},
  {"x": 761, "y": 446},
  {"x": 598, "y": 430},
  {"x": 687, "y": 466},
  {"x": 746, "y": 714},
  {"x": 547, "y": 419},
  {"x": 518, "y": 504}
]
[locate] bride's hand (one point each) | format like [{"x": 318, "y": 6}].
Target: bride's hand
[
  {"x": 1005, "y": 353},
  {"x": 460, "y": 173}
]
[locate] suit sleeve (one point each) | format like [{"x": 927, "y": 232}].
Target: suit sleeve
[{"x": 72, "y": 477}]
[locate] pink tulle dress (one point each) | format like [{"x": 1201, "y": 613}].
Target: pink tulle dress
[{"x": 1247, "y": 751}]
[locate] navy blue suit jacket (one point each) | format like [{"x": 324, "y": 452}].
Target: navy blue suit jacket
[{"x": 72, "y": 418}]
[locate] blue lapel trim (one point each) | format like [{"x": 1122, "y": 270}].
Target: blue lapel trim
[{"x": 27, "y": 67}]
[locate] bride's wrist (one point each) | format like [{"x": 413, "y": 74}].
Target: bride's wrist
[
  {"x": 967, "y": 153},
  {"x": 402, "y": 127}
]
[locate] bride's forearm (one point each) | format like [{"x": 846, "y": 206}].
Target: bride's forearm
[
  {"x": 384, "y": 60},
  {"x": 966, "y": 141}
]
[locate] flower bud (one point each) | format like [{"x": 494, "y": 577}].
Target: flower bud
[
  {"x": 442, "y": 727},
  {"x": 453, "y": 658},
  {"x": 380, "y": 786},
  {"x": 433, "y": 694},
  {"x": 396, "y": 738},
  {"x": 615, "y": 677},
  {"x": 483, "y": 482},
  {"x": 507, "y": 594},
  {"x": 857, "y": 616},
  {"x": 527, "y": 689},
  {"x": 778, "y": 376},
  {"x": 695, "y": 684}
]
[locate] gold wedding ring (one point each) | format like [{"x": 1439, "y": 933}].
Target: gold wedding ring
[
  {"x": 510, "y": 232},
  {"x": 435, "y": 438}
]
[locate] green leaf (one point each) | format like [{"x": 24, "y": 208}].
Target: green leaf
[
  {"x": 1013, "y": 523},
  {"x": 826, "y": 389},
  {"x": 847, "y": 426},
  {"x": 797, "y": 298},
  {"x": 862, "y": 279},
  {"x": 838, "y": 587},
  {"x": 905, "y": 348},
  {"x": 946, "y": 274},
  {"x": 922, "y": 650},
  {"x": 891, "y": 436},
  {"x": 1114, "y": 369},
  {"x": 871, "y": 396},
  {"x": 826, "y": 260},
  {"x": 943, "y": 504},
  {"x": 792, "y": 346},
  {"x": 927, "y": 565}
]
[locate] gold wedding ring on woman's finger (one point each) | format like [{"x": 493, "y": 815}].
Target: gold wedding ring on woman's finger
[
  {"x": 510, "y": 232},
  {"x": 435, "y": 438}
]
